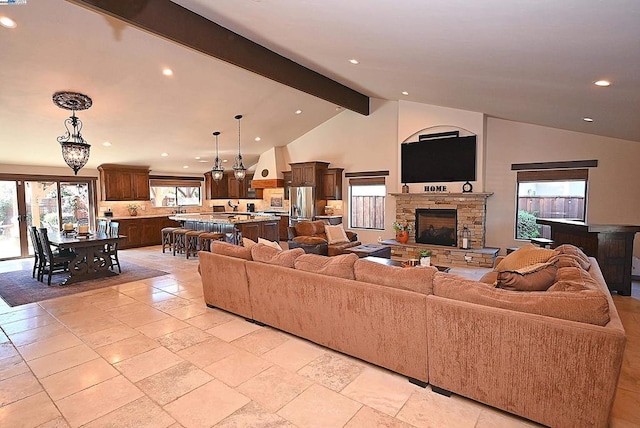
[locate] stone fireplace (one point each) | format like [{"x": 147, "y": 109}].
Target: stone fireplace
[
  {"x": 436, "y": 226},
  {"x": 470, "y": 210}
]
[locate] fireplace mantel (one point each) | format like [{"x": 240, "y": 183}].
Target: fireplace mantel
[{"x": 445, "y": 195}]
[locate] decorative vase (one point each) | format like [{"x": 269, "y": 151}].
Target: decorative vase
[
  {"x": 133, "y": 212},
  {"x": 425, "y": 261},
  {"x": 402, "y": 236}
]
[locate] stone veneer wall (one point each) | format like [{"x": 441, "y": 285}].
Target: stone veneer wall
[{"x": 471, "y": 208}]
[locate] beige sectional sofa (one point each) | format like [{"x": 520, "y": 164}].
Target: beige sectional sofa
[{"x": 551, "y": 356}]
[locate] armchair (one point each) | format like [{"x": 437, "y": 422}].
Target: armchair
[{"x": 311, "y": 237}]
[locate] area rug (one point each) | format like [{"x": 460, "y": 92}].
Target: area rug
[{"x": 19, "y": 288}]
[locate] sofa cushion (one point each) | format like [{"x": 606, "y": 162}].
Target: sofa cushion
[
  {"x": 231, "y": 250},
  {"x": 246, "y": 242},
  {"x": 574, "y": 253},
  {"x": 337, "y": 249},
  {"x": 310, "y": 228},
  {"x": 587, "y": 306},
  {"x": 309, "y": 240},
  {"x": 267, "y": 254},
  {"x": 335, "y": 234},
  {"x": 272, "y": 244},
  {"x": 573, "y": 278},
  {"x": 418, "y": 279},
  {"x": 537, "y": 277},
  {"x": 525, "y": 256},
  {"x": 340, "y": 266}
]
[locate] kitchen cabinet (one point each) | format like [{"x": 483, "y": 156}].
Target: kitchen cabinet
[
  {"x": 307, "y": 173},
  {"x": 124, "y": 183},
  {"x": 332, "y": 183},
  {"x": 216, "y": 190},
  {"x": 265, "y": 229},
  {"x": 237, "y": 189},
  {"x": 283, "y": 227},
  {"x": 143, "y": 231},
  {"x": 286, "y": 175}
]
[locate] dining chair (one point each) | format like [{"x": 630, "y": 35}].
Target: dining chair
[
  {"x": 54, "y": 261},
  {"x": 102, "y": 226},
  {"x": 111, "y": 250},
  {"x": 38, "y": 255}
]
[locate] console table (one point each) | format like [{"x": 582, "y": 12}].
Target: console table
[{"x": 611, "y": 245}]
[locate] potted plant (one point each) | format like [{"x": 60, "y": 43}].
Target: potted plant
[
  {"x": 133, "y": 209},
  {"x": 425, "y": 257},
  {"x": 402, "y": 229}
]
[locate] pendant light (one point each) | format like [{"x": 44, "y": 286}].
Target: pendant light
[
  {"x": 217, "y": 172},
  {"x": 75, "y": 150},
  {"x": 239, "y": 171}
]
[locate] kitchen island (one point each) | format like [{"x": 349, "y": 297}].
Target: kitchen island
[{"x": 235, "y": 225}]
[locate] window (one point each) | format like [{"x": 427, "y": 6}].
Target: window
[
  {"x": 549, "y": 194},
  {"x": 367, "y": 195},
  {"x": 175, "y": 193}
]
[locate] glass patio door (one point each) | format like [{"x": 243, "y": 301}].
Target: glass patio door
[{"x": 10, "y": 219}]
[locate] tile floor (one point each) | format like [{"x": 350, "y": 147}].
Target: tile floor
[{"x": 150, "y": 354}]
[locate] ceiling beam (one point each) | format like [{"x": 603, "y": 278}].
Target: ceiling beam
[{"x": 174, "y": 22}]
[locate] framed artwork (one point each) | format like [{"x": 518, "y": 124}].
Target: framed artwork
[{"x": 276, "y": 201}]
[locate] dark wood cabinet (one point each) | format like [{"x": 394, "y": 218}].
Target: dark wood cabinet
[
  {"x": 230, "y": 188},
  {"x": 143, "y": 231},
  {"x": 265, "y": 229},
  {"x": 286, "y": 175},
  {"x": 237, "y": 189},
  {"x": 124, "y": 183},
  {"x": 332, "y": 184},
  {"x": 611, "y": 245},
  {"x": 216, "y": 190},
  {"x": 283, "y": 227},
  {"x": 307, "y": 173}
]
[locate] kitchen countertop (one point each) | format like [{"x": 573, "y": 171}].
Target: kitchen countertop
[
  {"x": 227, "y": 218},
  {"x": 132, "y": 217},
  {"x": 328, "y": 216}
]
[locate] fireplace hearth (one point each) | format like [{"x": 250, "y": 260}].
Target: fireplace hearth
[{"x": 436, "y": 226}]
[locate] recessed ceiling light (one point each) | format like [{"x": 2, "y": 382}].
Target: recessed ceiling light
[
  {"x": 405, "y": 93},
  {"x": 587, "y": 119},
  {"x": 186, "y": 166},
  {"x": 298, "y": 111},
  {"x": 164, "y": 155},
  {"x": 603, "y": 83},
  {"x": 5, "y": 21},
  {"x": 258, "y": 138},
  {"x": 197, "y": 157},
  {"x": 224, "y": 161},
  {"x": 167, "y": 72},
  {"x": 354, "y": 61},
  {"x": 203, "y": 161},
  {"x": 106, "y": 144}
]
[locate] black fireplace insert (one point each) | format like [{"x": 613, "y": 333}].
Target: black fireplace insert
[{"x": 436, "y": 226}]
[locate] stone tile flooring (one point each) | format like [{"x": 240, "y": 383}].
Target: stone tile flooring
[{"x": 150, "y": 354}]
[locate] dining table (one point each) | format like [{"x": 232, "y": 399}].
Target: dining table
[{"x": 90, "y": 261}]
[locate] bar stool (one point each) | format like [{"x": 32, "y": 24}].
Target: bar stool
[
  {"x": 167, "y": 237},
  {"x": 206, "y": 239},
  {"x": 179, "y": 240},
  {"x": 192, "y": 239}
]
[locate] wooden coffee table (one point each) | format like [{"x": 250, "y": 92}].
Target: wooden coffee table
[{"x": 390, "y": 262}]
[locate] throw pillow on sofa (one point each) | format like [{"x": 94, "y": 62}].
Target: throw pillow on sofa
[
  {"x": 335, "y": 234},
  {"x": 231, "y": 250},
  {"x": 340, "y": 266},
  {"x": 575, "y": 253},
  {"x": 537, "y": 277},
  {"x": 266, "y": 254},
  {"x": 246, "y": 242},
  {"x": 525, "y": 256},
  {"x": 573, "y": 278},
  {"x": 272, "y": 244}
]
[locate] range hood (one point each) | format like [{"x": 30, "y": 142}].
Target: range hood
[{"x": 268, "y": 170}]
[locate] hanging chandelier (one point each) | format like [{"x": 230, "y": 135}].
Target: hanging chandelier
[
  {"x": 75, "y": 150},
  {"x": 217, "y": 172},
  {"x": 239, "y": 170}
]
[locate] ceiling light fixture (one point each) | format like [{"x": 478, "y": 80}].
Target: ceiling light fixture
[
  {"x": 258, "y": 138},
  {"x": 239, "y": 170},
  {"x": 354, "y": 61},
  {"x": 217, "y": 172},
  {"x": 185, "y": 166},
  {"x": 167, "y": 72},
  {"x": 7, "y": 22},
  {"x": 75, "y": 150},
  {"x": 298, "y": 111},
  {"x": 587, "y": 119},
  {"x": 602, "y": 83},
  {"x": 106, "y": 144},
  {"x": 164, "y": 155},
  {"x": 405, "y": 93}
]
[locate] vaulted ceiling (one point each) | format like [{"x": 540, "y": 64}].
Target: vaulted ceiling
[{"x": 533, "y": 61}]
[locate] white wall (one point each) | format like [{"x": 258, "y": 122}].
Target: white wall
[{"x": 613, "y": 194}]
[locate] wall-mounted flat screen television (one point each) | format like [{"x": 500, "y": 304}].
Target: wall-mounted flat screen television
[{"x": 444, "y": 159}]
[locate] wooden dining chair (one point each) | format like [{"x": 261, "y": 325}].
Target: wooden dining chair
[
  {"x": 102, "y": 226},
  {"x": 38, "y": 255},
  {"x": 111, "y": 250},
  {"x": 54, "y": 261}
]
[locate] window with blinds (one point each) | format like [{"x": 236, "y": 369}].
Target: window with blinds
[
  {"x": 175, "y": 192},
  {"x": 558, "y": 193},
  {"x": 367, "y": 199}
]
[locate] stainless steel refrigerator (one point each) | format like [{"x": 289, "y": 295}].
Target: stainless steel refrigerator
[{"x": 302, "y": 204}]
